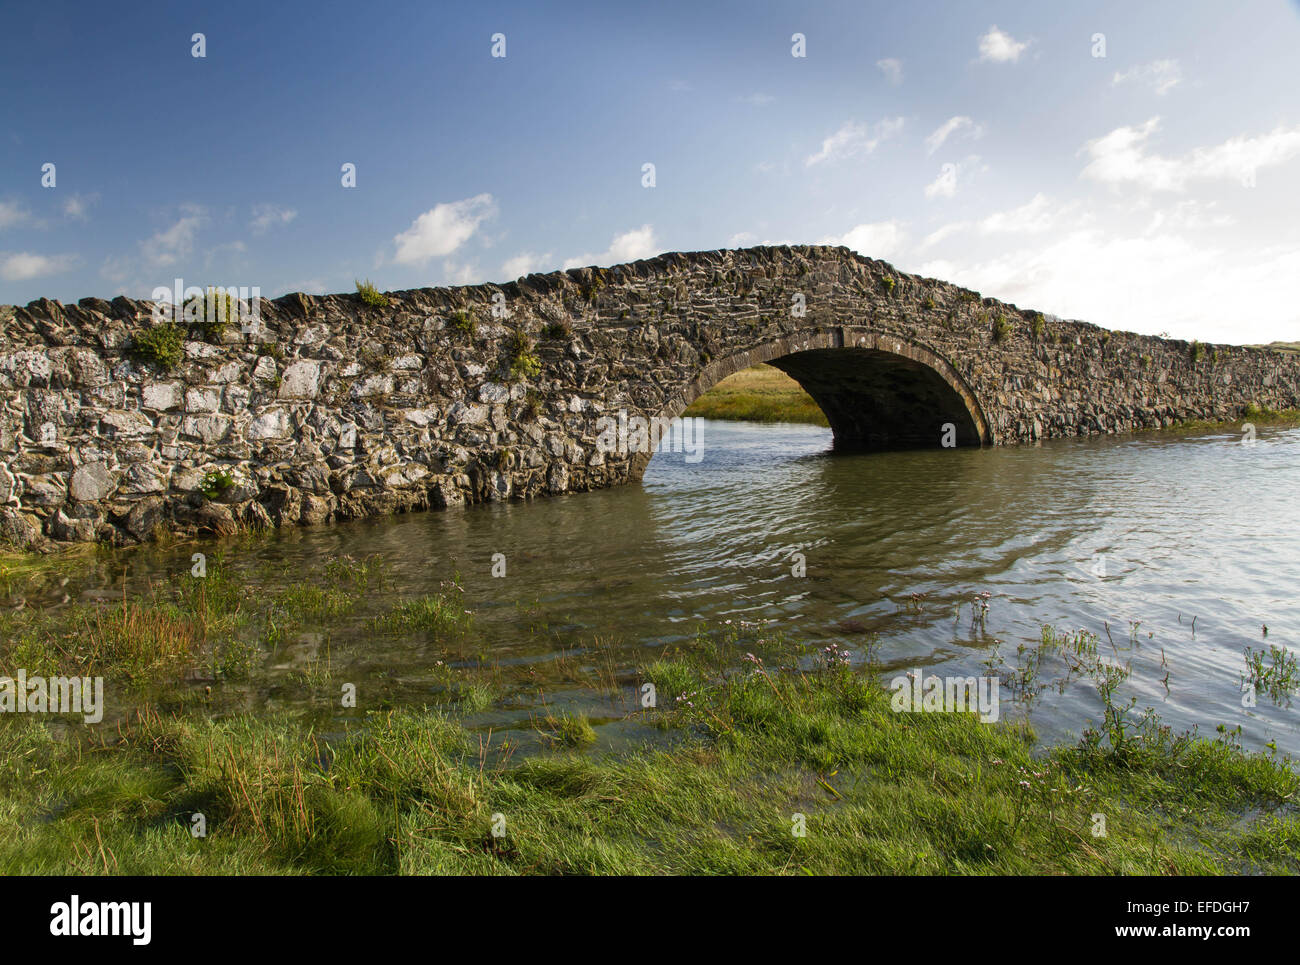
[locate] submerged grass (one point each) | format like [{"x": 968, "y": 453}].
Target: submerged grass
[
  {"x": 768, "y": 774},
  {"x": 437, "y": 613},
  {"x": 213, "y": 626}
]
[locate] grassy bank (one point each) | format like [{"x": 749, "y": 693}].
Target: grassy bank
[
  {"x": 1257, "y": 414},
  {"x": 748, "y": 753},
  {"x": 758, "y": 394},
  {"x": 739, "y": 767}
]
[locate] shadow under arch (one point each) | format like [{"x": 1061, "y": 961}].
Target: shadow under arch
[{"x": 878, "y": 391}]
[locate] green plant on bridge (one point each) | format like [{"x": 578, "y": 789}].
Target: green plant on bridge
[
  {"x": 888, "y": 284},
  {"x": 162, "y": 346},
  {"x": 216, "y": 483},
  {"x": 524, "y": 363},
  {"x": 374, "y": 359},
  {"x": 1001, "y": 328},
  {"x": 464, "y": 323},
  {"x": 371, "y": 295},
  {"x": 532, "y": 407},
  {"x": 213, "y": 311}
]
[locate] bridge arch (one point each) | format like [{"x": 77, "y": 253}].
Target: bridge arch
[{"x": 878, "y": 391}]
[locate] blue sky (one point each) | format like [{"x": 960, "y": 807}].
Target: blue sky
[{"x": 1152, "y": 189}]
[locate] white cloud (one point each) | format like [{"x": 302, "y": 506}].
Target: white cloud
[
  {"x": 1149, "y": 283},
  {"x": 11, "y": 213},
  {"x": 854, "y": 139},
  {"x": 630, "y": 246},
  {"x": 226, "y": 252},
  {"x": 950, "y": 175},
  {"x": 462, "y": 274},
  {"x": 170, "y": 245},
  {"x": 524, "y": 263},
  {"x": 741, "y": 239},
  {"x": 1121, "y": 157},
  {"x": 999, "y": 48},
  {"x": 1190, "y": 216},
  {"x": 77, "y": 206},
  {"x": 945, "y": 185},
  {"x": 892, "y": 68},
  {"x": 757, "y": 100},
  {"x": 266, "y": 216},
  {"x": 943, "y": 233},
  {"x": 21, "y": 266},
  {"x": 1033, "y": 217},
  {"x": 881, "y": 239},
  {"x": 442, "y": 229},
  {"x": 116, "y": 268},
  {"x": 1162, "y": 75},
  {"x": 952, "y": 126}
]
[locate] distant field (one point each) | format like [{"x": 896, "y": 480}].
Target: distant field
[{"x": 758, "y": 394}]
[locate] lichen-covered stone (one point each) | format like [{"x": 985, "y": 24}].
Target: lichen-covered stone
[{"x": 335, "y": 410}]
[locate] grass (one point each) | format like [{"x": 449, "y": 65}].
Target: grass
[
  {"x": 162, "y": 346},
  {"x": 736, "y": 762},
  {"x": 524, "y": 363},
  {"x": 756, "y": 759},
  {"x": 758, "y": 394},
  {"x": 212, "y": 311},
  {"x": 463, "y": 322},
  {"x": 371, "y": 295},
  {"x": 437, "y": 613},
  {"x": 1262, "y": 413},
  {"x": 567, "y": 730},
  {"x": 215, "y": 624},
  {"x": 1252, "y": 412},
  {"x": 1276, "y": 672}
]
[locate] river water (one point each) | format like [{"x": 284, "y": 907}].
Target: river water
[{"x": 1175, "y": 549}]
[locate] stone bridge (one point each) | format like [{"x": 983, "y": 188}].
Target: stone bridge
[{"x": 334, "y": 408}]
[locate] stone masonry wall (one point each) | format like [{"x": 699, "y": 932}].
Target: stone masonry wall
[{"x": 336, "y": 409}]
